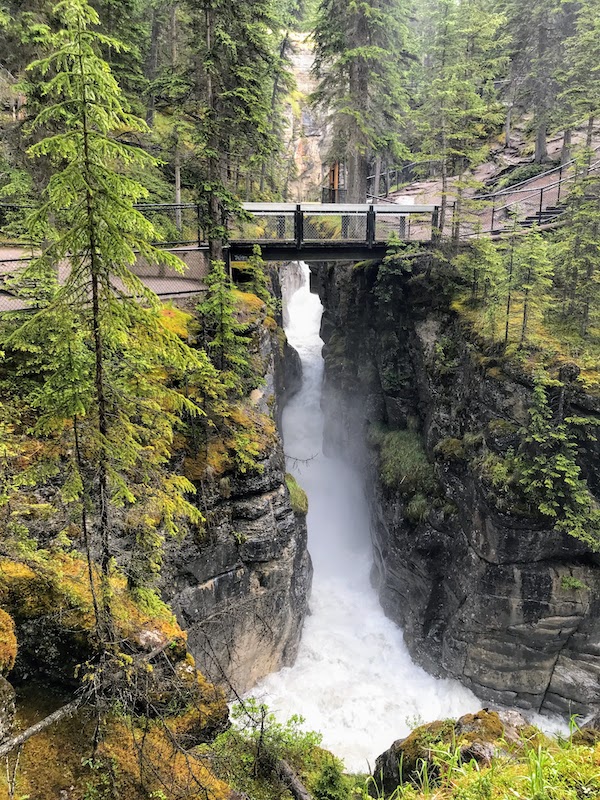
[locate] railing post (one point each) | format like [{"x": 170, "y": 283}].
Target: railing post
[
  {"x": 371, "y": 226},
  {"x": 198, "y": 224},
  {"x": 298, "y": 226},
  {"x": 541, "y": 204},
  {"x": 560, "y": 174},
  {"x": 435, "y": 224},
  {"x": 493, "y": 215},
  {"x": 402, "y": 227}
]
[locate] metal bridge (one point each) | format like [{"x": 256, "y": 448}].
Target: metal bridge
[{"x": 328, "y": 232}]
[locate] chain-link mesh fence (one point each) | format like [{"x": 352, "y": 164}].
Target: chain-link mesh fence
[
  {"x": 335, "y": 226},
  {"x": 174, "y": 224},
  {"x": 406, "y": 225},
  {"x": 264, "y": 227}
]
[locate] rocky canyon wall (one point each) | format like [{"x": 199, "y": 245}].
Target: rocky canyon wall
[
  {"x": 241, "y": 590},
  {"x": 483, "y": 592}
]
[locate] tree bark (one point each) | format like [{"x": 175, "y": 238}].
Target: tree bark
[
  {"x": 56, "y": 716},
  {"x": 377, "y": 180},
  {"x": 565, "y": 155},
  {"x": 152, "y": 66},
  {"x": 292, "y": 781}
]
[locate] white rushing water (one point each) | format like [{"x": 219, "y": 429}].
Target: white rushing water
[{"x": 353, "y": 680}]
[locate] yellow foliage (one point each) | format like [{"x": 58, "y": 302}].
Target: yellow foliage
[
  {"x": 134, "y": 760},
  {"x": 59, "y": 586},
  {"x": 175, "y": 320},
  {"x": 248, "y": 430},
  {"x": 8, "y": 643},
  {"x": 248, "y": 305}
]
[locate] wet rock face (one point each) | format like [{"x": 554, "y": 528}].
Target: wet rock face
[
  {"x": 484, "y": 593},
  {"x": 241, "y": 592}
]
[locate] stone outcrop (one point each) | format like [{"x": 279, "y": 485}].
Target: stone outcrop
[
  {"x": 484, "y": 591},
  {"x": 477, "y": 737}
]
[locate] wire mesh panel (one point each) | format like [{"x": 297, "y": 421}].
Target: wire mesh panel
[
  {"x": 335, "y": 226},
  {"x": 264, "y": 227},
  {"x": 405, "y": 225}
]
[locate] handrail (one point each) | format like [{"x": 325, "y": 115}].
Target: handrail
[
  {"x": 511, "y": 189},
  {"x": 547, "y": 187}
]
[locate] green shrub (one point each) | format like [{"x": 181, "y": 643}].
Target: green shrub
[
  {"x": 331, "y": 783},
  {"x": 522, "y": 173},
  {"x": 417, "y": 509},
  {"x": 451, "y": 450},
  {"x": 570, "y": 582}
]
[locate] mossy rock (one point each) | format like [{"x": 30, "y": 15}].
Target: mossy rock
[
  {"x": 50, "y": 602},
  {"x": 401, "y": 762},
  {"x": 485, "y": 726},
  {"x": 8, "y": 643},
  {"x": 298, "y": 497},
  {"x": 587, "y": 736},
  {"x": 135, "y": 759},
  {"x": 477, "y": 737},
  {"x": 451, "y": 450}
]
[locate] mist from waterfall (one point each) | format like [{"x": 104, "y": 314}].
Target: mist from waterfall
[{"x": 353, "y": 680}]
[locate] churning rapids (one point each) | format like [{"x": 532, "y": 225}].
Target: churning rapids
[{"x": 353, "y": 680}]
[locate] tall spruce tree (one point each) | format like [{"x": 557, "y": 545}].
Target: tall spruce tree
[
  {"x": 103, "y": 360},
  {"x": 537, "y": 32},
  {"x": 578, "y": 76},
  {"x": 362, "y": 50},
  {"x": 458, "y": 106}
]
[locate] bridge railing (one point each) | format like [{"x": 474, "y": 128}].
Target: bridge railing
[
  {"x": 313, "y": 223},
  {"x": 179, "y": 224}
]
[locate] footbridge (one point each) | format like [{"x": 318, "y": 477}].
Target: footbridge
[
  {"x": 283, "y": 231},
  {"x": 328, "y": 232}
]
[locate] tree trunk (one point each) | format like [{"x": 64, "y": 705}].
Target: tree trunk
[
  {"x": 541, "y": 100},
  {"x": 177, "y": 168},
  {"x": 508, "y": 125},
  {"x": 102, "y": 498},
  {"x": 377, "y": 180},
  {"x": 525, "y": 312},
  {"x": 589, "y": 140},
  {"x": 297, "y": 789},
  {"x": 541, "y": 145},
  {"x": 152, "y": 66},
  {"x": 173, "y": 34},
  {"x": 56, "y": 716}
]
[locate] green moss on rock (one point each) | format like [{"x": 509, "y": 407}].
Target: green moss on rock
[{"x": 298, "y": 497}]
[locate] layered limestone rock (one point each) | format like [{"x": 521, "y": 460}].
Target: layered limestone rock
[
  {"x": 484, "y": 592},
  {"x": 241, "y": 590}
]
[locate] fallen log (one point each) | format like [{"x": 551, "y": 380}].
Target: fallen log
[
  {"x": 56, "y": 716},
  {"x": 292, "y": 781}
]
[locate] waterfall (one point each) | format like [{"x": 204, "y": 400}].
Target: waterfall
[{"x": 353, "y": 680}]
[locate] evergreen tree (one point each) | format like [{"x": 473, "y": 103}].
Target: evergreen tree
[
  {"x": 579, "y": 76},
  {"x": 458, "y": 105},
  {"x": 534, "y": 271},
  {"x": 550, "y": 475},
  {"x": 107, "y": 371},
  {"x": 575, "y": 253},
  {"x": 362, "y": 49},
  {"x": 537, "y": 33},
  {"x": 225, "y": 336}
]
